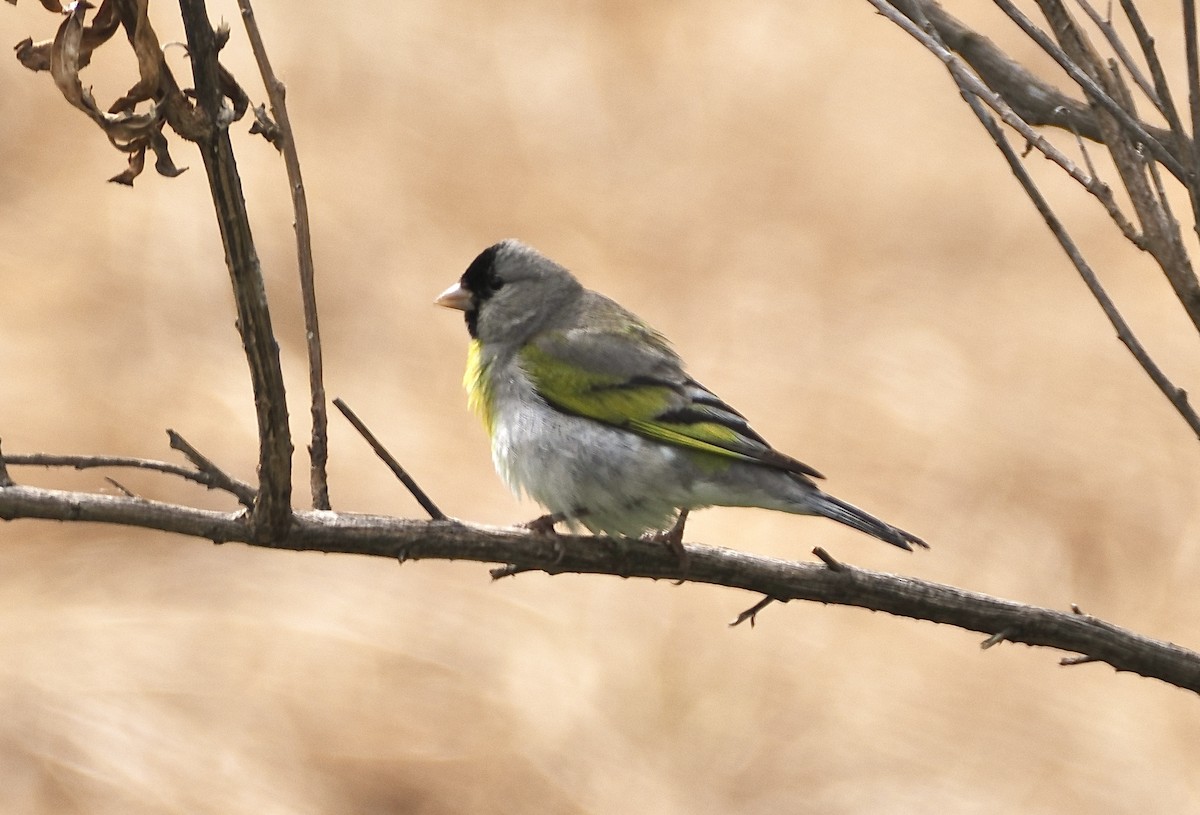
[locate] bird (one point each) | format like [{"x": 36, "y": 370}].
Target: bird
[{"x": 592, "y": 414}]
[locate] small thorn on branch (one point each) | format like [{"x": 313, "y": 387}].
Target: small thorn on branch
[
  {"x": 1075, "y": 609},
  {"x": 508, "y": 570},
  {"x": 393, "y": 465},
  {"x": 832, "y": 563},
  {"x": 997, "y": 638},
  {"x": 1079, "y": 660},
  {"x": 751, "y": 613},
  {"x": 128, "y": 492},
  {"x": 219, "y": 478}
]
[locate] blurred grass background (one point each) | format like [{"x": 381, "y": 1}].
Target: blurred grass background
[{"x": 796, "y": 196}]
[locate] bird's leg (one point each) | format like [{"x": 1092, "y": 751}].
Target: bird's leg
[{"x": 673, "y": 538}]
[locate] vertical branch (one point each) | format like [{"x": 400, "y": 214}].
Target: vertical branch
[
  {"x": 276, "y": 92},
  {"x": 272, "y": 509},
  {"x": 1193, "y": 78}
]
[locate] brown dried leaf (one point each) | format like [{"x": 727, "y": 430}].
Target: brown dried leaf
[
  {"x": 150, "y": 58},
  {"x": 49, "y": 5},
  {"x": 137, "y": 161},
  {"x": 162, "y": 157},
  {"x": 35, "y": 57},
  {"x": 104, "y": 25},
  {"x": 64, "y": 62}
]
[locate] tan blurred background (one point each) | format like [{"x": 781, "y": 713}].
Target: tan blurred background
[{"x": 793, "y": 193}]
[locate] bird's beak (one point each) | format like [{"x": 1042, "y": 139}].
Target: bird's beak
[{"x": 455, "y": 297}]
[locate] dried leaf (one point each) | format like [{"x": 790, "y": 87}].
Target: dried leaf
[
  {"x": 35, "y": 57},
  {"x": 162, "y": 158},
  {"x": 137, "y": 161},
  {"x": 64, "y": 61},
  {"x": 49, "y": 5}
]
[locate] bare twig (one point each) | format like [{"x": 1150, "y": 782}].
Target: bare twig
[
  {"x": 827, "y": 559},
  {"x": 930, "y": 38},
  {"x": 1118, "y": 47},
  {"x": 751, "y": 613},
  {"x": 1161, "y": 87},
  {"x": 1176, "y": 396},
  {"x": 1193, "y": 78},
  {"x": 1089, "y": 85},
  {"x": 400, "y": 473},
  {"x": 996, "y": 639},
  {"x": 215, "y": 475},
  {"x": 1162, "y": 239},
  {"x": 272, "y": 509},
  {"x": 1034, "y": 101},
  {"x": 209, "y": 479},
  {"x": 318, "y": 448},
  {"x": 929, "y": 35},
  {"x": 128, "y": 492}
]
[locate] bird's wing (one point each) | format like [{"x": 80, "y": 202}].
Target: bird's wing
[{"x": 629, "y": 377}]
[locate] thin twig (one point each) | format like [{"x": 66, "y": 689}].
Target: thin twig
[
  {"x": 967, "y": 84},
  {"x": 921, "y": 29},
  {"x": 1004, "y": 635},
  {"x": 218, "y": 477},
  {"x": 1118, "y": 47},
  {"x": 828, "y": 559},
  {"x": 751, "y": 613},
  {"x": 1170, "y": 111},
  {"x": 1193, "y": 74},
  {"x": 400, "y": 473},
  {"x": 204, "y": 479},
  {"x": 1091, "y": 88},
  {"x": 318, "y": 449},
  {"x": 1176, "y": 396},
  {"x": 1161, "y": 86},
  {"x": 128, "y": 492}
]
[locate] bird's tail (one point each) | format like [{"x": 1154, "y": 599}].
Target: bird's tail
[{"x": 852, "y": 516}]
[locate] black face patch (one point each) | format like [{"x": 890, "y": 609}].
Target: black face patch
[{"x": 480, "y": 278}]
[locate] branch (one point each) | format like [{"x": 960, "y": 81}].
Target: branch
[
  {"x": 401, "y": 539},
  {"x": 1036, "y": 101},
  {"x": 272, "y": 510},
  {"x": 204, "y": 479},
  {"x": 407, "y": 480},
  {"x": 276, "y": 92}
]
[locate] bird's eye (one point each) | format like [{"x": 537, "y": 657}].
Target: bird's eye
[{"x": 495, "y": 284}]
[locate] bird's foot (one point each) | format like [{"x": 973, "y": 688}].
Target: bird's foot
[
  {"x": 544, "y": 526},
  {"x": 673, "y": 538}
]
